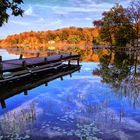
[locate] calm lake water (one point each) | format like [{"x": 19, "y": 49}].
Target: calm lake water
[{"x": 86, "y": 106}]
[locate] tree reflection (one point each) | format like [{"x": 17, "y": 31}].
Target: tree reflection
[{"x": 120, "y": 70}]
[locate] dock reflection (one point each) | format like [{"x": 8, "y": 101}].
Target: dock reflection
[{"x": 27, "y": 83}]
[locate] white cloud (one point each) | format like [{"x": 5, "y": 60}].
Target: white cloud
[
  {"x": 30, "y": 11},
  {"x": 20, "y": 23},
  {"x": 66, "y": 9},
  {"x": 55, "y": 22},
  {"x": 87, "y": 18},
  {"x": 84, "y": 18},
  {"x": 61, "y": 13},
  {"x": 41, "y": 20}
]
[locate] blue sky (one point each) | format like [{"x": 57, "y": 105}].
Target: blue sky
[{"x": 43, "y": 15}]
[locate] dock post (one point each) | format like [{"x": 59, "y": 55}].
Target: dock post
[
  {"x": 69, "y": 63},
  {"x": 78, "y": 61},
  {"x": 45, "y": 59},
  {"x": 0, "y": 58},
  {"x": 61, "y": 56},
  {"x": 61, "y": 78},
  {"x": 24, "y": 64},
  {"x": 3, "y": 104},
  {"x": 69, "y": 60},
  {"x": 46, "y": 84},
  {"x": 25, "y": 92},
  {"x": 1, "y": 68},
  {"x": 21, "y": 56}
]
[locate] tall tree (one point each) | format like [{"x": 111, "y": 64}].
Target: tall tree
[
  {"x": 13, "y": 6},
  {"x": 116, "y": 28}
]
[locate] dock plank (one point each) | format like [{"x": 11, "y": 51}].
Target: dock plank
[{"x": 10, "y": 65}]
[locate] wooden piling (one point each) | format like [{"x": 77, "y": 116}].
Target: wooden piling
[
  {"x": 3, "y": 104},
  {"x": 70, "y": 75},
  {"x": 61, "y": 78},
  {"x": 69, "y": 63},
  {"x": 69, "y": 60},
  {"x": 0, "y": 58},
  {"x": 25, "y": 92},
  {"x": 61, "y": 56},
  {"x": 78, "y": 61},
  {"x": 21, "y": 56},
  {"x": 24, "y": 64},
  {"x": 45, "y": 60},
  {"x": 46, "y": 84}
]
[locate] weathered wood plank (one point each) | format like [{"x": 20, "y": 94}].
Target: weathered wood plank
[{"x": 15, "y": 64}]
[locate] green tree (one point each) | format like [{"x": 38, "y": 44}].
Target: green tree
[
  {"x": 74, "y": 39},
  {"x": 114, "y": 73},
  {"x": 13, "y": 6},
  {"x": 120, "y": 74},
  {"x": 116, "y": 27}
]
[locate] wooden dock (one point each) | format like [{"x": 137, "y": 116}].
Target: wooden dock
[{"x": 11, "y": 70}]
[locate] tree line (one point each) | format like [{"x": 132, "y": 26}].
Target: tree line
[
  {"x": 35, "y": 40},
  {"x": 118, "y": 27}
]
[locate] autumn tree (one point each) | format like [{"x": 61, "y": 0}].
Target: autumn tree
[
  {"x": 70, "y": 36},
  {"x": 80, "y": 33},
  {"x": 116, "y": 28},
  {"x": 51, "y": 36},
  {"x": 6, "y": 6},
  {"x": 64, "y": 35},
  {"x": 74, "y": 39}
]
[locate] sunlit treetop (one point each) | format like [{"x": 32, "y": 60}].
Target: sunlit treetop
[{"x": 8, "y": 7}]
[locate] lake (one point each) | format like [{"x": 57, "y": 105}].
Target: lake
[{"x": 101, "y": 102}]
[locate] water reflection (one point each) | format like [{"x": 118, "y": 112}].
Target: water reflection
[
  {"x": 12, "y": 123},
  {"x": 6, "y": 56},
  {"x": 34, "y": 53},
  {"x": 121, "y": 71},
  {"x": 16, "y": 87},
  {"x": 82, "y": 107}
]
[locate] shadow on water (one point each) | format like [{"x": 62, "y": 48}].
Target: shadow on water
[
  {"x": 10, "y": 88},
  {"x": 122, "y": 72}
]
